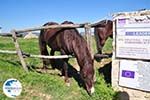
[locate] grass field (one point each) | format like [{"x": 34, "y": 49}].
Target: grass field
[{"x": 46, "y": 85}]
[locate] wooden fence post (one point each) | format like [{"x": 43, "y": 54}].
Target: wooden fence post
[
  {"x": 89, "y": 39},
  {"x": 18, "y": 50}
]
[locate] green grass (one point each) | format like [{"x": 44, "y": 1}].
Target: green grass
[{"x": 45, "y": 86}]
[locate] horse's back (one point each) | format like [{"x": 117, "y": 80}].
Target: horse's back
[
  {"x": 62, "y": 38},
  {"x": 45, "y": 34},
  {"x": 66, "y": 38}
]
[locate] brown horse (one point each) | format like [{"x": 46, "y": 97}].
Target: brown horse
[
  {"x": 68, "y": 41},
  {"x": 102, "y": 31}
]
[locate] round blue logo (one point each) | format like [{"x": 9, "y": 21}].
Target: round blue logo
[{"x": 12, "y": 88}]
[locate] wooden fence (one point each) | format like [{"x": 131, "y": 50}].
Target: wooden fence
[{"x": 21, "y": 54}]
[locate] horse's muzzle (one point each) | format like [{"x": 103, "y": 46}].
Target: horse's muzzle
[{"x": 91, "y": 91}]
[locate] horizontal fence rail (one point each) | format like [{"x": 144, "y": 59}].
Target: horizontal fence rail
[
  {"x": 95, "y": 24},
  {"x": 49, "y": 57},
  {"x": 37, "y": 56},
  {"x": 51, "y": 26},
  {"x": 8, "y": 51}
]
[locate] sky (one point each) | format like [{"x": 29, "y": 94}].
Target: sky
[{"x": 19, "y": 14}]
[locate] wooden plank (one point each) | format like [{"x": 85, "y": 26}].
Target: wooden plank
[
  {"x": 50, "y": 57},
  {"x": 51, "y": 26},
  {"x": 18, "y": 50},
  {"x": 97, "y": 23},
  {"x": 57, "y": 26},
  {"x": 37, "y": 56},
  {"x": 89, "y": 37},
  {"x": 101, "y": 56},
  {"x": 87, "y": 32},
  {"x": 8, "y": 52}
]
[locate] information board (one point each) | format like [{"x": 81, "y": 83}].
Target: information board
[
  {"x": 135, "y": 74},
  {"x": 133, "y": 38}
]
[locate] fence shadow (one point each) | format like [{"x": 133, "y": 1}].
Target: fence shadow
[
  {"x": 14, "y": 63},
  {"x": 106, "y": 72},
  {"x": 58, "y": 64},
  {"x": 72, "y": 72}
]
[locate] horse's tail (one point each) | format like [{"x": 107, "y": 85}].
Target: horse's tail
[
  {"x": 41, "y": 39},
  {"x": 45, "y": 34},
  {"x": 42, "y": 43}
]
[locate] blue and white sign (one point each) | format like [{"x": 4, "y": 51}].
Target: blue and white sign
[
  {"x": 12, "y": 88},
  {"x": 133, "y": 38},
  {"x": 135, "y": 74}
]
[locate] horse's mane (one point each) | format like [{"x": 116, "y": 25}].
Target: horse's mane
[
  {"x": 50, "y": 23},
  {"x": 67, "y": 22},
  {"x": 102, "y": 23}
]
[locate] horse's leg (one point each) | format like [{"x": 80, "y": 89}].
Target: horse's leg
[
  {"x": 65, "y": 68},
  {"x": 52, "y": 61},
  {"x": 66, "y": 72},
  {"x": 52, "y": 52},
  {"x": 43, "y": 50},
  {"x": 102, "y": 43}
]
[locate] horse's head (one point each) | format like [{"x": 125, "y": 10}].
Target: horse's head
[
  {"x": 104, "y": 28},
  {"x": 87, "y": 74},
  {"x": 102, "y": 31}
]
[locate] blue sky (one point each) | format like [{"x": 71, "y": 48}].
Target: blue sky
[{"x": 18, "y": 14}]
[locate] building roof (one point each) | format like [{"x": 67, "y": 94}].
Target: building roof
[{"x": 133, "y": 13}]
